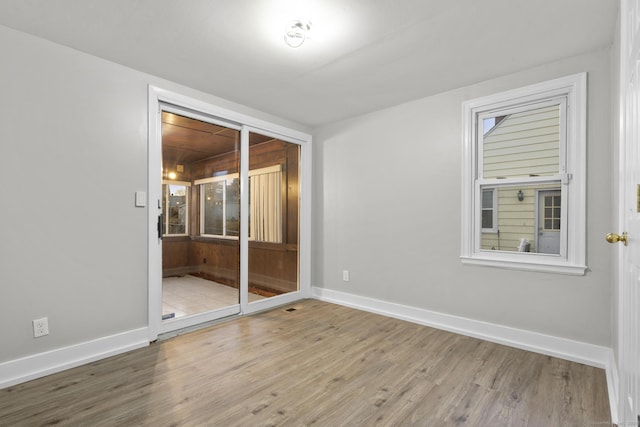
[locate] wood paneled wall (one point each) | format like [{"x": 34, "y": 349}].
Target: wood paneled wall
[
  {"x": 175, "y": 255},
  {"x": 272, "y": 266}
]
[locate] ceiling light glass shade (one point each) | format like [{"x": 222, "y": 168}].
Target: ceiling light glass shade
[{"x": 296, "y": 32}]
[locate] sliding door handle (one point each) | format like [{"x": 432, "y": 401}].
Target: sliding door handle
[{"x": 160, "y": 226}]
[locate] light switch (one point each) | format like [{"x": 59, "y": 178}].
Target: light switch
[{"x": 141, "y": 199}]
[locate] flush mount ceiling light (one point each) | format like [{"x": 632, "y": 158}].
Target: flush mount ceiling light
[{"x": 296, "y": 32}]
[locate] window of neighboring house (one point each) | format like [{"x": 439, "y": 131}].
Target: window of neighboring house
[
  {"x": 524, "y": 156},
  {"x": 551, "y": 218},
  {"x": 220, "y": 205},
  {"x": 175, "y": 207},
  {"x": 489, "y": 214}
]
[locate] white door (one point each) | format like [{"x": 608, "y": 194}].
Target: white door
[
  {"x": 629, "y": 219},
  {"x": 549, "y": 218}
]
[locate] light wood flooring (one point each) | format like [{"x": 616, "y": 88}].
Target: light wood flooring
[
  {"x": 320, "y": 365},
  {"x": 189, "y": 295}
]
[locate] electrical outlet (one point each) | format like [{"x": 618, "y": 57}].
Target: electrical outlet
[
  {"x": 40, "y": 327},
  {"x": 345, "y": 275}
]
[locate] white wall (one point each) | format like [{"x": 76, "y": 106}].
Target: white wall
[
  {"x": 387, "y": 206},
  {"x": 73, "y": 150}
]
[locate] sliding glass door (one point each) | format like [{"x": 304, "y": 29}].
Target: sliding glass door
[
  {"x": 200, "y": 218},
  {"x": 230, "y": 234}
]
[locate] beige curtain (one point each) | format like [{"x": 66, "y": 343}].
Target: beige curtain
[{"x": 266, "y": 207}]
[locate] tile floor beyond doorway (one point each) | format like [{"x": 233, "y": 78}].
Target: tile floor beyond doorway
[{"x": 189, "y": 295}]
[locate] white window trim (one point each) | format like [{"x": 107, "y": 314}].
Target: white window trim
[
  {"x": 166, "y": 217},
  {"x": 268, "y": 169},
  {"x": 215, "y": 179},
  {"x": 574, "y": 88}
]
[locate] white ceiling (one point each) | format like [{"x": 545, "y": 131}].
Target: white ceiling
[{"x": 364, "y": 54}]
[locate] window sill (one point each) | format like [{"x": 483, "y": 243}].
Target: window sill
[
  {"x": 545, "y": 266},
  {"x": 176, "y": 237},
  {"x": 232, "y": 241}
]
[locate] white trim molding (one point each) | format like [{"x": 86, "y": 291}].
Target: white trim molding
[
  {"x": 562, "y": 348},
  {"x": 39, "y": 365}
]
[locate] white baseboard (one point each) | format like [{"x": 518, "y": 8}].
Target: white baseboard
[
  {"x": 39, "y": 365},
  {"x": 575, "y": 351}
]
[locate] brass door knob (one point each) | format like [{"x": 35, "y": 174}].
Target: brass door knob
[{"x": 615, "y": 238}]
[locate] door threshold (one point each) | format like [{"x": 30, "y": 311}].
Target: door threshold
[{"x": 193, "y": 328}]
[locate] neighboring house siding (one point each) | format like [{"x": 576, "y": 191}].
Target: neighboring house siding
[
  {"x": 523, "y": 144},
  {"x": 516, "y": 219}
]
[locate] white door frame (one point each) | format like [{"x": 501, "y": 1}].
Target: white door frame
[{"x": 245, "y": 123}]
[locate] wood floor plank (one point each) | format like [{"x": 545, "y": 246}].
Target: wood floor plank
[{"x": 320, "y": 365}]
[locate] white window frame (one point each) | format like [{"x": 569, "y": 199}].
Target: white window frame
[
  {"x": 201, "y": 183},
  {"x": 572, "y": 176},
  {"x": 167, "y": 206},
  {"x": 494, "y": 210}
]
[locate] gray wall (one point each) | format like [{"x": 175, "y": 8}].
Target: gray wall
[
  {"x": 387, "y": 208},
  {"x": 73, "y": 150}
]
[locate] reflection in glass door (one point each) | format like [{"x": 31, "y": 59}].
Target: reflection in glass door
[
  {"x": 274, "y": 217},
  {"x": 200, "y": 217}
]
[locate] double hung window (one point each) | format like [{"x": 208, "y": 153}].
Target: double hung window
[{"x": 524, "y": 178}]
